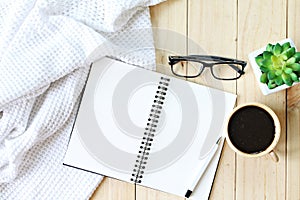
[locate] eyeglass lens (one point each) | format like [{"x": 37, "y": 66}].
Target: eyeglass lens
[
  {"x": 226, "y": 71},
  {"x": 185, "y": 68},
  {"x": 193, "y": 69}
]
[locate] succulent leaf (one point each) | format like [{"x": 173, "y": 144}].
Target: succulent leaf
[
  {"x": 278, "y": 81},
  {"x": 287, "y": 79},
  {"x": 263, "y": 78},
  {"x": 277, "y": 49},
  {"x": 291, "y": 61},
  {"x": 259, "y": 60},
  {"x": 269, "y": 47},
  {"x": 264, "y": 69},
  {"x": 267, "y": 54},
  {"x": 294, "y": 77},
  {"x": 288, "y": 70},
  {"x": 267, "y": 62},
  {"x": 295, "y": 67},
  {"x": 286, "y": 46},
  {"x": 271, "y": 85},
  {"x": 282, "y": 57},
  {"x": 297, "y": 56},
  {"x": 278, "y": 72},
  {"x": 271, "y": 75},
  {"x": 289, "y": 52}
]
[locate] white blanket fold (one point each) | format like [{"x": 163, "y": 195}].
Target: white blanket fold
[{"x": 46, "y": 47}]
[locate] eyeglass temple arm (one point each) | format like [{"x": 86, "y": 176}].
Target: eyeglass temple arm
[{"x": 236, "y": 69}]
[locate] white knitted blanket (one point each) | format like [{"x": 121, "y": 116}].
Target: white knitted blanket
[{"x": 46, "y": 47}]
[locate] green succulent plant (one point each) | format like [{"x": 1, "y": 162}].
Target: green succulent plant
[{"x": 279, "y": 65}]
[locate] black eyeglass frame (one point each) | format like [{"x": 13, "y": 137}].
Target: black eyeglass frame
[{"x": 216, "y": 61}]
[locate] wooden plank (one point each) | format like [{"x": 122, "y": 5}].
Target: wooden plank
[
  {"x": 111, "y": 188},
  {"x": 293, "y": 154},
  {"x": 293, "y": 112},
  {"x": 213, "y": 30},
  {"x": 261, "y": 22},
  {"x": 169, "y": 29},
  {"x": 213, "y": 27},
  {"x": 144, "y": 193}
]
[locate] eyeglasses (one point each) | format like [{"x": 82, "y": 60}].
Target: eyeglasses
[{"x": 221, "y": 68}]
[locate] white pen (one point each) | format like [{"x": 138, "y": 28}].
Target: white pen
[{"x": 203, "y": 168}]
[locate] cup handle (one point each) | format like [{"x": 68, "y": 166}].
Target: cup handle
[{"x": 274, "y": 156}]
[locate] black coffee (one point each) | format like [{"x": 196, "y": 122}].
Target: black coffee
[{"x": 251, "y": 129}]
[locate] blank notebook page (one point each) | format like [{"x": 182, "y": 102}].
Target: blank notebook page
[{"x": 141, "y": 126}]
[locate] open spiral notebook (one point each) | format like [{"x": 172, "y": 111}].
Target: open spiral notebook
[{"x": 147, "y": 128}]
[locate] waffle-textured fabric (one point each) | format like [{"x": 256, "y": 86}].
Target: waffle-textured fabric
[{"x": 46, "y": 47}]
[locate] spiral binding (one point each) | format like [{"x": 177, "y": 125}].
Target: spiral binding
[{"x": 150, "y": 129}]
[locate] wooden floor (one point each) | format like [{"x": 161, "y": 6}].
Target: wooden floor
[{"x": 233, "y": 28}]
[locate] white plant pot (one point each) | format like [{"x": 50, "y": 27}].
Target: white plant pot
[{"x": 257, "y": 72}]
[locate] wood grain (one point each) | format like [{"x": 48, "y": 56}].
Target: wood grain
[
  {"x": 213, "y": 26},
  {"x": 258, "y": 24},
  {"x": 112, "y": 189},
  {"x": 293, "y": 154},
  {"x": 293, "y": 112},
  {"x": 293, "y": 32}
]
